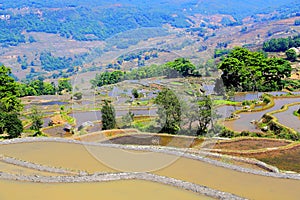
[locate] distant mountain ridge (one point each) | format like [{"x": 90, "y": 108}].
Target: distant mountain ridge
[
  {"x": 99, "y": 19},
  {"x": 89, "y": 29},
  {"x": 232, "y": 7}
]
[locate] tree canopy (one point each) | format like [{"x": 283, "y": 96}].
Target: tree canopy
[
  {"x": 291, "y": 55},
  {"x": 244, "y": 70},
  {"x": 36, "y": 119},
  {"x": 36, "y": 88},
  {"x": 182, "y": 66},
  {"x": 108, "y": 116},
  {"x": 10, "y": 124},
  {"x": 178, "y": 67},
  {"x": 169, "y": 111},
  {"x": 107, "y": 78},
  {"x": 64, "y": 84},
  {"x": 10, "y": 104},
  {"x": 281, "y": 44},
  {"x": 9, "y": 92}
]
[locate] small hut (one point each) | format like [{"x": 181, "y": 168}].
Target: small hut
[{"x": 67, "y": 128}]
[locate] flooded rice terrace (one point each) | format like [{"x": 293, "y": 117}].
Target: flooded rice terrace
[
  {"x": 87, "y": 110},
  {"x": 286, "y": 118},
  {"x": 116, "y": 190},
  {"x": 106, "y": 159}
]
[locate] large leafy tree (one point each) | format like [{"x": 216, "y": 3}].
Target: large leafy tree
[
  {"x": 244, "y": 70},
  {"x": 64, "y": 84},
  {"x": 291, "y": 55},
  {"x": 108, "y": 116},
  {"x": 10, "y": 124},
  {"x": 49, "y": 88},
  {"x": 199, "y": 115},
  {"x": 182, "y": 66},
  {"x": 9, "y": 92},
  {"x": 10, "y": 104},
  {"x": 205, "y": 114},
  {"x": 169, "y": 111}
]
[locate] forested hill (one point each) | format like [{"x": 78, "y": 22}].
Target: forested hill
[
  {"x": 99, "y": 19},
  {"x": 236, "y": 7}
]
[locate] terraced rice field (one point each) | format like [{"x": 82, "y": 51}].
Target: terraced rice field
[
  {"x": 249, "y": 144},
  {"x": 244, "y": 122},
  {"x": 99, "y": 158},
  {"x": 133, "y": 189}
]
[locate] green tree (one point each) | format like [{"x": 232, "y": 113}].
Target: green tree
[
  {"x": 36, "y": 119},
  {"x": 198, "y": 115},
  {"x": 291, "y": 55},
  {"x": 10, "y": 124},
  {"x": 9, "y": 92},
  {"x": 49, "y": 88},
  {"x": 64, "y": 84},
  {"x": 135, "y": 93},
  {"x": 10, "y": 104},
  {"x": 26, "y": 90},
  {"x": 108, "y": 116},
  {"x": 244, "y": 70},
  {"x": 128, "y": 119},
  {"x": 38, "y": 86},
  {"x": 169, "y": 111},
  {"x": 182, "y": 65},
  {"x": 107, "y": 78},
  {"x": 205, "y": 115}
]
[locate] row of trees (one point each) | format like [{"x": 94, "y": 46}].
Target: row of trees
[
  {"x": 281, "y": 44},
  {"x": 40, "y": 87},
  {"x": 107, "y": 78},
  {"x": 50, "y": 62},
  {"x": 244, "y": 70},
  {"x": 180, "y": 67}
]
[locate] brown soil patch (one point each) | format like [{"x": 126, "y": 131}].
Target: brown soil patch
[
  {"x": 250, "y": 144},
  {"x": 157, "y": 139},
  {"x": 57, "y": 119},
  {"x": 104, "y": 135},
  {"x": 286, "y": 159},
  {"x": 56, "y": 131}
]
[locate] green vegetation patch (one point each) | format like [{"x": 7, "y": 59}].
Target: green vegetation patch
[
  {"x": 244, "y": 70},
  {"x": 221, "y": 102}
]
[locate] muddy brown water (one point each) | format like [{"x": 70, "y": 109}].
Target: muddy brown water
[
  {"x": 133, "y": 189},
  {"x": 244, "y": 122},
  {"x": 75, "y": 156},
  {"x": 93, "y": 116},
  {"x": 288, "y": 119},
  {"x": 18, "y": 170}
]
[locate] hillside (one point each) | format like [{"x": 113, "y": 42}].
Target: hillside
[{"x": 94, "y": 35}]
